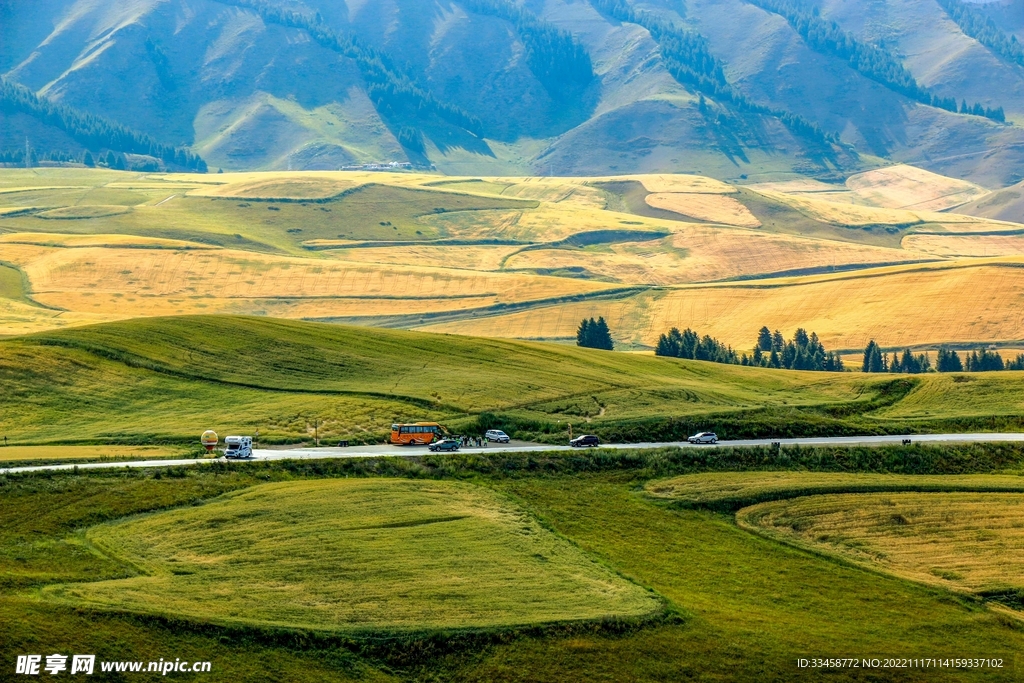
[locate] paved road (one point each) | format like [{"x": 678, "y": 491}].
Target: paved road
[{"x": 520, "y": 447}]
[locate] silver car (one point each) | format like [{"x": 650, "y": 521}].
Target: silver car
[
  {"x": 704, "y": 437},
  {"x": 496, "y": 435}
]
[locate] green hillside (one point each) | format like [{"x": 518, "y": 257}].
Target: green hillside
[{"x": 168, "y": 379}]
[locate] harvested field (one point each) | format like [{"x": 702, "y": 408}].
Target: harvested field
[
  {"x": 949, "y": 305},
  {"x": 965, "y": 541},
  {"x": 734, "y": 490},
  {"x": 706, "y": 207},
  {"x": 908, "y": 187}
]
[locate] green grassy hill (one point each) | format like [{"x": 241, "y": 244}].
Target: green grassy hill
[{"x": 168, "y": 379}]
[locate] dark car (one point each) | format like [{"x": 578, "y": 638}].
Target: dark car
[
  {"x": 585, "y": 441},
  {"x": 444, "y": 445}
]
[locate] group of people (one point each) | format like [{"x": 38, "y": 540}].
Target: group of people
[{"x": 470, "y": 441}]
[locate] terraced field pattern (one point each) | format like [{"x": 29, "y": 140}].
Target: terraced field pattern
[
  {"x": 884, "y": 256},
  {"x": 956, "y": 532}
]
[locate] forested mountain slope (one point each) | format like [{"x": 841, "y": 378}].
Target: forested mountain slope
[{"x": 728, "y": 88}]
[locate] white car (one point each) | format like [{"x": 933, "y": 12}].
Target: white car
[
  {"x": 704, "y": 437},
  {"x": 497, "y": 435}
]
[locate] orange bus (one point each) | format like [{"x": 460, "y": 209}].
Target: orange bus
[{"x": 418, "y": 433}]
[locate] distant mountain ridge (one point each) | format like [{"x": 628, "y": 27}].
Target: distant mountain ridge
[{"x": 728, "y": 88}]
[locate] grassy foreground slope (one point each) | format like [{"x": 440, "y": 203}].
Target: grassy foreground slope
[
  {"x": 168, "y": 379},
  {"x": 747, "y": 607},
  {"x": 964, "y": 541},
  {"x": 356, "y": 555}
]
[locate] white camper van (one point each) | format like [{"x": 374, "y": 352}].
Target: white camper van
[{"x": 238, "y": 447}]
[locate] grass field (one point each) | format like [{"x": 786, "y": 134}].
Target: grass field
[
  {"x": 167, "y": 379},
  {"x": 746, "y": 606},
  {"x": 731, "y": 491},
  {"x": 355, "y": 555},
  {"x": 964, "y": 541},
  {"x": 518, "y": 257}
]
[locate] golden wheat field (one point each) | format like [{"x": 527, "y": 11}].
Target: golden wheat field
[
  {"x": 948, "y": 305},
  {"x": 706, "y": 207},
  {"x": 516, "y": 256},
  {"x": 965, "y": 541},
  {"x": 907, "y": 187}
]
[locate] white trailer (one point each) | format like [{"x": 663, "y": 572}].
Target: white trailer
[{"x": 238, "y": 447}]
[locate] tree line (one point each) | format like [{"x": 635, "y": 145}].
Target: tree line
[
  {"x": 90, "y": 131},
  {"x": 947, "y": 360},
  {"x": 392, "y": 92},
  {"x": 872, "y": 61},
  {"x": 980, "y": 27},
  {"x": 556, "y": 58},
  {"x": 772, "y": 350},
  {"x": 688, "y": 58},
  {"x": 594, "y": 334}
]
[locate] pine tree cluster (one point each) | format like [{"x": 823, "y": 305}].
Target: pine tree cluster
[
  {"x": 872, "y": 61},
  {"x": 92, "y": 132},
  {"x": 980, "y": 27},
  {"x": 802, "y": 352},
  {"x": 594, "y": 334},
  {"x": 947, "y": 360},
  {"x": 687, "y": 56},
  {"x": 877, "y": 361},
  {"x": 556, "y": 58},
  {"x": 689, "y": 344},
  {"x": 392, "y": 92}
]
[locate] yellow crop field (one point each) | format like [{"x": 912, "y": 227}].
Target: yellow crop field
[
  {"x": 723, "y": 489},
  {"x": 355, "y": 555},
  {"x": 91, "y": 453},
  {"x": 966, "y": 245},
  {"x": 948, "y": 305},
  {"x": 841, "y": 213},
  {"x": 908, "y": 187},
  {"x": 121, "y": 282},
  {"x": 487, "y": 258},
  {"x": 50, "y": 239},
  {"x": 713, "y": 208},
  {"x": 965, "y": 541},
  {"x": 285, "y": 188},
  {"x": 102, "y": 245},
  {"x": 697, "y": 253}
]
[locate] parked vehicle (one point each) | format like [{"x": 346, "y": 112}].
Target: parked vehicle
[
  {"x": 704, "y": 437},
  {"x": 497, "y": 435},
  {"x": 444, "y": 445},
  {"x": 238, "y": 447},
  {"x": 416, "y": 434},
  {"x": 587, "y": 440}
]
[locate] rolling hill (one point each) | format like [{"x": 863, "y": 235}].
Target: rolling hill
[
  {"x": 726, "y": 89},
  {"x": 164, "y": 380}
]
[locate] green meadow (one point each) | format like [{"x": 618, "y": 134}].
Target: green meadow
[
  {"x": 355, "y": 555},
  {"x": 165, "y": 380},
  {"x": 254, "y": 566}
]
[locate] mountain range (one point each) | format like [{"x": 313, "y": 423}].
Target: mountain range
[{"x": 734, "y": 89}]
